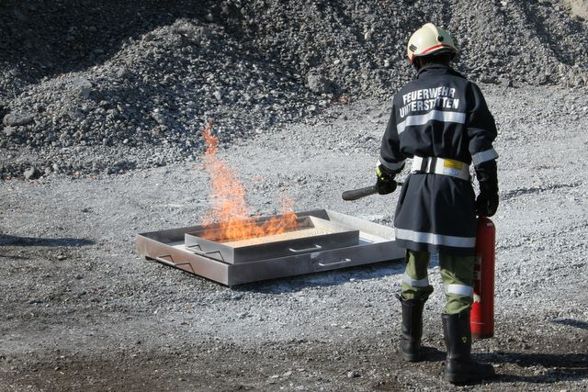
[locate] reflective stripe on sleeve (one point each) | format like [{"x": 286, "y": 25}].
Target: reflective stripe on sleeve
[
  {"x": 459, "y": 289},
  {"x": 484, "y": 156},
  {"x": 415, "y": 282},
  {"x": 392, "y": 166},
  {"x": 435, "y": 239},
  {"x": 438, "y": 115}
]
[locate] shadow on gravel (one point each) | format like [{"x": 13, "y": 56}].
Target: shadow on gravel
[
  {"x": 325, "y": 279},
  {"x": 546, "y": 368},
  {"x": 14, "y": 257},
  {"x": 572, "y": 323},
  {"x": 432, "y": 354},
  {"x": 11, "y": 240}
]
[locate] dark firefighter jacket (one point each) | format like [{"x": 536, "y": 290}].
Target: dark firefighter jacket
[{"x": 439, "y": 114}]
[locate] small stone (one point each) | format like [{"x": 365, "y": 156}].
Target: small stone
[
  {"x": 353, "y": 374},
  {"x": 506, "y": 82},
  {"x": 61, "y": 257},
  {"x": 158, "y": 116},
  {"x": 31, "y": 173},
  {"x": 318, "y": 84},
  {"x": 17, "y": 119},
  {"x": 82, "y": 87}
]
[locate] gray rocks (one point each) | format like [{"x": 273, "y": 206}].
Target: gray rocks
[
  {"x": 134, "y": 78},
  {"x": 317, "y": 83},
  {"x": 9, "y": 131},
  {"x": 18, "y": 119},
  {"x": 82, "y": 87}
]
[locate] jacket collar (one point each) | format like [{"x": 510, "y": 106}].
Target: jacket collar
[{"x": 436, "y": 69}]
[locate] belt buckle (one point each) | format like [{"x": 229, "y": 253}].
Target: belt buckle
[{"x": 424, "y": 165}]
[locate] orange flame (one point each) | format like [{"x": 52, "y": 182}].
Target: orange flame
[{"x": 230, "y": 218}]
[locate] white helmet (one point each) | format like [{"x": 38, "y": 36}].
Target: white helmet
[{"x": 429, "y": 39}]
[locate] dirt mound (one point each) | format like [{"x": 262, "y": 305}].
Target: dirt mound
[{"x": 141, "y": 79}]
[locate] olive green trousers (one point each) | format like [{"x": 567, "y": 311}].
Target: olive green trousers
[{"x": 457, "y": 273}]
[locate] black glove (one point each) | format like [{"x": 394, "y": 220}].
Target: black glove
[
  {"x": 487, "y": 200},
  {"x": 385, "y": 183}
]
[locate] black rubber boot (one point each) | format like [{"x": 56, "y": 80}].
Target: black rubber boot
[
  {"x": 412, "y": 328},
  {"x": 460, "y": 367}
]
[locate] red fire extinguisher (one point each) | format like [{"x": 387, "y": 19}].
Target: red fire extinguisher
[{"x": 482, "y": 314}]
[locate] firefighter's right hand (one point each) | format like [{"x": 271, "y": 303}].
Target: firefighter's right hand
[{"x": 385, "y": 183}]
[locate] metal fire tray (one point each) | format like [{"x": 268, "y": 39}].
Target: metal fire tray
[
  {"x": 312, "y": 234},
  {"x": 325, "y": 240}
]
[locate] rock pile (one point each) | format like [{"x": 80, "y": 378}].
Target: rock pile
[{"x": 94, "y": 87}]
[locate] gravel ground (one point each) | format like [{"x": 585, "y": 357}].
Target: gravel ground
[{"x": 82, "y": 311}]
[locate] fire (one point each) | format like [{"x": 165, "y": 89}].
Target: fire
[{"x": 230, "y": 218}]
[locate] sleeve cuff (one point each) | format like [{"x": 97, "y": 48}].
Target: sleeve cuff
[
  {"x": 394, "y": 167},
  {"x": 484, "y": 156}
]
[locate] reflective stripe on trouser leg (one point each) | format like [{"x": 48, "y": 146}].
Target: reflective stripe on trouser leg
[
  {"x": 415, "y": 282},
  {"x": 457, "y": 273}
]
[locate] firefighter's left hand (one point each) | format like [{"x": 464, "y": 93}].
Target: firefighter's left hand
[
  {"x": 487, "y": 202},
  {"x": 385, "y": 183}
]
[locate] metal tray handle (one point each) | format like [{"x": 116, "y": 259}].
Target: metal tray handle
[
  {"x": 342, "y": 261},
  {"x": 167, "y": 259},
  {"x": 200, "y": 252},
  {"x": 314, "y": 248}
]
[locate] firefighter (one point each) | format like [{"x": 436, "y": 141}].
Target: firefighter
[{"x": 442, "y": 122}]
